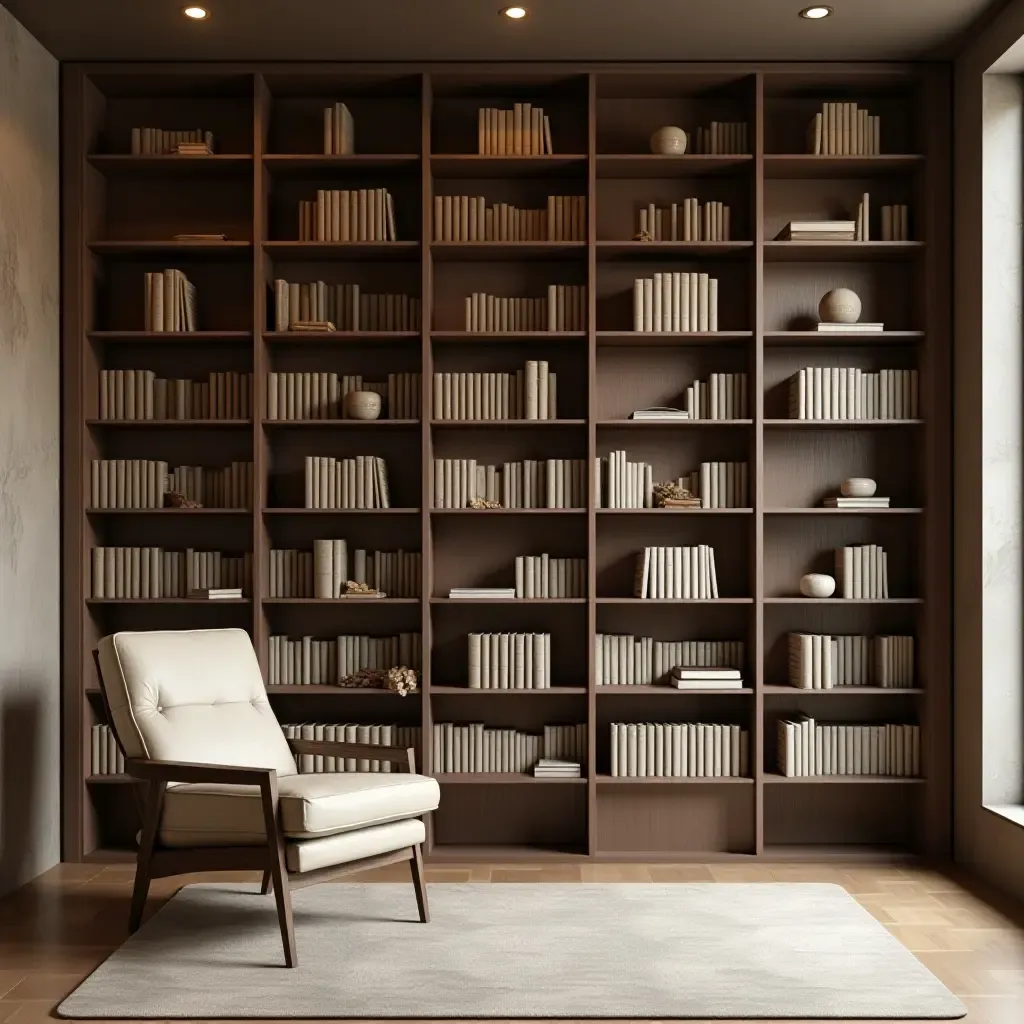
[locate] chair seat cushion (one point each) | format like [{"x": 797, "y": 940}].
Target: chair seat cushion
[
  {"x": 311, "y": 806},
  {"x": 345, "y": 847}
]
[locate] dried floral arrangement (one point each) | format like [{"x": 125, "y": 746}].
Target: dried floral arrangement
[{"x": 399, "y": 679}]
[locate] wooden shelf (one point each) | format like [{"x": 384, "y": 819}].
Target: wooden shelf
[
  {"x": 663, "y": 690},
  {"x": 341, "y": 511},
  {"x": 807, "y": 165},
  {"x": 164, "y": 424},
  {"x": 844, "y": 600},
  {"x": 168, "y": 512},
  {"x": 339, "y": 337},
  {"x": 169, "y": 337},
  {"x": 843, "y": 511},
  {"x": 670, "y": 424},
  {"x": 171, "y": 249},
  {"x": 507, "y": 511},
  {"x": 674, "y": 511},
  {"x": 502, "y": 779},
  {"x": 655, "y": 250},
  {"x": 291, "y": 689},
  {"x": 545, "y": 691},
  {"x": 650, "y": 165},
  {"x": 172, "y": 165},
  {"x": 680, "y": 600},
  {"x": 338, "y": 424},
  {"x": 506, "y": 424},
  {"x": 473, "y": 165},
  {"x": 142, "y": 601},
  {"x": 316, "y": 164},
  {"x": 317, "y": 251},
  {"x": 651, "y": 338},
  {"x": 791, "y": 691},
  {"x": 340, "y": 601},
  {"x": 673, "y": 780},
  {"x": 476, "y": 337},
  {"x": 507, "y": 600},
  {"x": 845, "y": 338},
  {"x": 472, "y": 251},
  {"x": 842, "y": 424},
  {"x": 856, "y": 780}
]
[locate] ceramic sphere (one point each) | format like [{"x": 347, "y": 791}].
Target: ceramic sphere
[
  {"x": 362, "y": 405},
  {"x": 839, "y": 306},
  {"x": 669, "y": 141},
  {"x": 858, "y": 487},
  {"x": 817, "y": 584}
]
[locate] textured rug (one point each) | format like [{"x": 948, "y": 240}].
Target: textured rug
[{"x": 519, "y": 950}]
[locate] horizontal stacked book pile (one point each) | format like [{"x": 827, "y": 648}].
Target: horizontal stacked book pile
[
  {"x": 342, "y": 215},
  {"x": 858, "y": 230},
  {"x": 678, "y": 750},
  {"x": 555, "y": 768},
  {"x": 142, "y": 395},
  {"x": 841, "y": 501},
  {"x": 684, "y": 678},
  {"x": 722, "y": 138},
  {"x": 675, "y": 302},
  {"x": 563, "y": 309},
  {"x": 105, "y": 755},
  {"x": 849, "y": 393},
  {"x": 324, "y": 571},
  {"x": 170, "y": 301},
  {"x": 821, "y": 662},
  {"x": 896, "y": 223},
  {"x": 160, "y": 142},
  {"x": 509, "y": 661},
  {"x": 544, "y": 576},
  {"x": 479, "y": 748},
  {"x": 862, "y": 572},
  {"x": 544, "y": 483},
  {"x": 620, "y": 483},
  {"x": 624, "y": 660},
  {"x": 687, "y": 221},
  {"x": 321, "y": 396},
  {"x": 482, "y": 594},
  {"x": 128, "y": 572},
  {"x": 469, "y": 219},
  {"x": 807, "y": 748},
  {"x": 527, "y": 394},
  {"x": 358, "y": 482},
  {"x": 844, "y": 129},
  {"x": 366, "y": 735},
  {"x": 145, "y": 483},
  {"x": 722, "y": 397},
  {"x": 311, "y": 662},
  {"x": 339, "y": 131},
  {"x": 342, "y": 307},
  {"x": 525, "y": 130},
  {"x": 674, "y": 573}
]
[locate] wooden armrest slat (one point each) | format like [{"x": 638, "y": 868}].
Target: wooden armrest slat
[{"x": 182, "y": 771}]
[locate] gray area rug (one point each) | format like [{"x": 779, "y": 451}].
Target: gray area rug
[{"x": 702, "y": 950}]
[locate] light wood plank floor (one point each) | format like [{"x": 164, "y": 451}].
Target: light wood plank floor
[{"x": 54, "y": 931}]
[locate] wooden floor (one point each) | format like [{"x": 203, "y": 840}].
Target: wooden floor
[{"x": 54, "y": 931}]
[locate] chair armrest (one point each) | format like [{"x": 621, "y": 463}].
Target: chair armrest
[
  {"x": 182, "y": 771},
  {"x": 404, "y": 756}
]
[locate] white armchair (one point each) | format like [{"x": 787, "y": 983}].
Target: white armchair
[{"x": 191, "y": 715}]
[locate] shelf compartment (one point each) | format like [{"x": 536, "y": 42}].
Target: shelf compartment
[
  {"x": 809, "y": 165},
  {"x": 845, "y": 338},
  {"x": 228, "y": 249},
  {"x": 473, "y": 165},
  {"x": 627, "y": 424},
  {"x": 306, "y": 252},
  {"x": 655, "y": 250},
  {"x": 506, "y": 424},
  {"x": 511, "y": 337},
  {"x": 802, "y": 252},
  {"x": 471, "y": 251},
  {"x": 649, "y": 690},
  {"x": 172, "y": 165},
  {"x": 652, "y": 165}
]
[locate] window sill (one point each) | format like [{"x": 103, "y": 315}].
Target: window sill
[{"x": 1010, "y": 812}]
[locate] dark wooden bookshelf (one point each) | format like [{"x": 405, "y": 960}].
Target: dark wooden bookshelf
[{"x": 417, "y": 132}]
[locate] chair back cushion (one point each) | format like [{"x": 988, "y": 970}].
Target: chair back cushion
[{"x": 192, "y": 695}]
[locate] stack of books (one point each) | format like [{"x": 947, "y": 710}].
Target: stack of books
[
  {"x": 860, "y": 327},
  {"x": 818, "y": 231},
  {"x": 707, "y": 678},
  {"x": 659, "y": 412},
  {"x": 840, "y": 502},
  {"x": 492, "y": 593},
  {"x": 194, "y": 149},
  {"x": 551, "y": 768},
  {"x": 217, "y": 593}
]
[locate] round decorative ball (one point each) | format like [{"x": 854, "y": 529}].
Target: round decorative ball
[
  {"x": 858, "y": 487},
  {"x": 362, "y": 405},
  {"x": 839, "y": 306},
  {"x": 817, "y": 584},
  {"x": 669, "y": 141}
]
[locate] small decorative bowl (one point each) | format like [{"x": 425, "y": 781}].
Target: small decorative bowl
[
  {"x": 817, "y": 584},
  {"x": 362, "y": 405},
  {"x": 858, "y": 487},
  {"x": 669, "y": 141}
]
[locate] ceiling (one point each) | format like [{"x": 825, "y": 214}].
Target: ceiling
[{"x": 471, "y": 30}]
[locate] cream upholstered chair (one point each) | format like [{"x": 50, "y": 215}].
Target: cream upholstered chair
[{"x": 190, "y": 713}]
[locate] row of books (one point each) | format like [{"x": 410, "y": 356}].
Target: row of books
[
  {"x": 475, "y": 747},
  {"x": 679, "y": 750},
  {"x": 620, "y": 483},
  {"x": 142, "y": 395},
  {"x": 359, "y": 482},
  {"x": 373, "y": 735},
  {"x": 821, "y": 662},
  {"x": 722, "y": 397},
  {"x": 896, "y": 223},
  {"x": 674, "y": 573},
  {"x": 152, "y": 572},
  {"x": 675, "y": 302},
  {"x": 344, "y": 306},
  {"x": 687, "y": 221},
  {"x": 105, "y": 755},
  {"x": 321, "y": 395},
  {"x": 161, "y": 142},
  {"x": 145, "y": 483},
  {"x": 324, "y": 571},
  {"x": 469, "y": 219},
  {"x": 849, "y": 393},
  {"x": 312, "y": 662},
  {"x": 541, "y": 483},
  {"x": 722, "y": 137},
  {"x": 564, "y": 309},
  {"x": 683, "y": 678},
  {"x": 509, "y": 661},
  {"x": 525, "y": 130},
  {"x": 807, "y": 748},
  {"x": 170, "y": 301},
  {"x": 339, "y": 131},
  {"x": 844, "y": 129},
  {"x": 544, "y": 576},
  {"x": 344, "y": 215},
  {"x": 862, "y": 571},
  {"x": 527, "y": 394},
  {"x": 626, "y": 660}
]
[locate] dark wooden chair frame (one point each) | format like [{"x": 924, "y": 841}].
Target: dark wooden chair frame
[{"x": 155, "y": 861}]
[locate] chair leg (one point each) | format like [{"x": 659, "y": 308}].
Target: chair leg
[
  {"x": 150, "y": 827},
  {"x": 279, "y": 873},
  {"x": 419, "y": 883},
  {"x": 268, "y": 883}
]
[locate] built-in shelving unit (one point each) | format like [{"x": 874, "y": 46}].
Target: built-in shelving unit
[{"x": 416, "y": 135}]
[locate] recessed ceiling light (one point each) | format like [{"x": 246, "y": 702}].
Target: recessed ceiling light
[
  {"x": 196, "y": 13},
  {"x": 515, "y": 13},
  {"x": 815, "y": 13}
]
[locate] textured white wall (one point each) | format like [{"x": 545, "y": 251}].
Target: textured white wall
[{"x": 29, "y": 458}]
